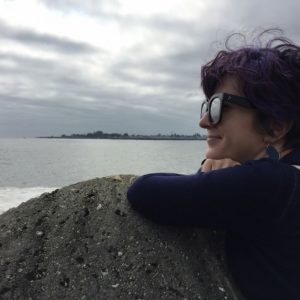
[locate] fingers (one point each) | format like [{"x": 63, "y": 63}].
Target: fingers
[
  {"x": 207, "y": 165},
  {"x": 213, "y": 164}
]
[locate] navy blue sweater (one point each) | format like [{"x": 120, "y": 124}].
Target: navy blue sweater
[{"x": 257, "y": 203}]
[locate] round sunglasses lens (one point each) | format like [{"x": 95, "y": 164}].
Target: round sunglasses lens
[
  {"x": 203, "y": 109},
  {"x": 215, "y": 110}
]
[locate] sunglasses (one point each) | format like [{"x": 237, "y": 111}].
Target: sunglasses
[{"x": 214, "y": 106}]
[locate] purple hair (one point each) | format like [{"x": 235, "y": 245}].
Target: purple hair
[{"x": 269, "y": 77}]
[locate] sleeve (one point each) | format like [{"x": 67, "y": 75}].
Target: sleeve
[{"x": 241, "y": 198}]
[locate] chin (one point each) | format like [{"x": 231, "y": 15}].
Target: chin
[
  {"x": 213, "y": 154},
  {"x": 216, "y": 149},
  {"x": 220, "y": 153}
]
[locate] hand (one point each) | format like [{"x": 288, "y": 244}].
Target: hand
[{"x": 216, "y": 164}]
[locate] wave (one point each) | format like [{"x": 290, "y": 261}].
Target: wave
[{"x": 13, "y": 196}]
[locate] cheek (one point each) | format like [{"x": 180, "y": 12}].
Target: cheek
[
  {"x": 243, "y": 137},
  {"x": 248, "y": 144}
]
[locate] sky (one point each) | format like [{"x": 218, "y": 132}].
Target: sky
[{"x": 126, "y": 66}]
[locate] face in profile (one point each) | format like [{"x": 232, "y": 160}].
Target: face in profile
[{"x": 235, "y": 137}]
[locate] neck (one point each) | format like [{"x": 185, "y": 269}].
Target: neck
[{"x": 285, "y": 152}]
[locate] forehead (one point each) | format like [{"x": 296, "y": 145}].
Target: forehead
[{"x": 229, "y": 84}]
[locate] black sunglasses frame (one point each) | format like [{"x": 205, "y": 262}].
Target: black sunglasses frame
[{"x": 224, "y": 98}]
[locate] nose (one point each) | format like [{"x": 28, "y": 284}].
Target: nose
[{"x": 204, "y": 121}]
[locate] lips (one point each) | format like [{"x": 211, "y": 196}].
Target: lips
[{"x": 213, "y": 140}]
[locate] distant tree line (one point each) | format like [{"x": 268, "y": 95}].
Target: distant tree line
[{"x": 126, "y": 136}]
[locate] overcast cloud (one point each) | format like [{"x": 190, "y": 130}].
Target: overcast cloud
[{"x": 117, "y": 65}]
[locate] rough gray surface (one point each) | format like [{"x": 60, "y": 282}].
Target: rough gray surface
[{"x": 85, "y": 242}]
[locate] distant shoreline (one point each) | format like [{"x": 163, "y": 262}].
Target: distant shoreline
[
  {"x": 126, "y": 136},
  {"x": 131, "y": 138}
]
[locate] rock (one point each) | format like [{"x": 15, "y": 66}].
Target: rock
[{"x": 85, "y": 242}]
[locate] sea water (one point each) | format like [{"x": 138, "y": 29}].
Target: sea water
[{"x": 30, "y": 167}]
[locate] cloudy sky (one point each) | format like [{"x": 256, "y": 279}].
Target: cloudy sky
[{"x": 77, "y": 66}]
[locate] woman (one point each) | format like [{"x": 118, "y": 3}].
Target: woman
[{"x": 249, "y": 183}]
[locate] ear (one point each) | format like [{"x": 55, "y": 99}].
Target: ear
[{"x": 279, "y": 130}]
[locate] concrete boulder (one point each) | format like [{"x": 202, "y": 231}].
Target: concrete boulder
[{"x": 85, "y": 242}]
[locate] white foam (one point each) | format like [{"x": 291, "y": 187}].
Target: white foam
[{"x": 13, "y": 196}]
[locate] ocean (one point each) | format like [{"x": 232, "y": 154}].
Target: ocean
[{"x": 30, "y": 167}]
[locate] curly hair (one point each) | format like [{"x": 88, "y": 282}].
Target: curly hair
[{"x": 269, "y": 76}]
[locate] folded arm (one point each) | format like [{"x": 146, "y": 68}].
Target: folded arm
[{"x": 239, "y": 198}]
